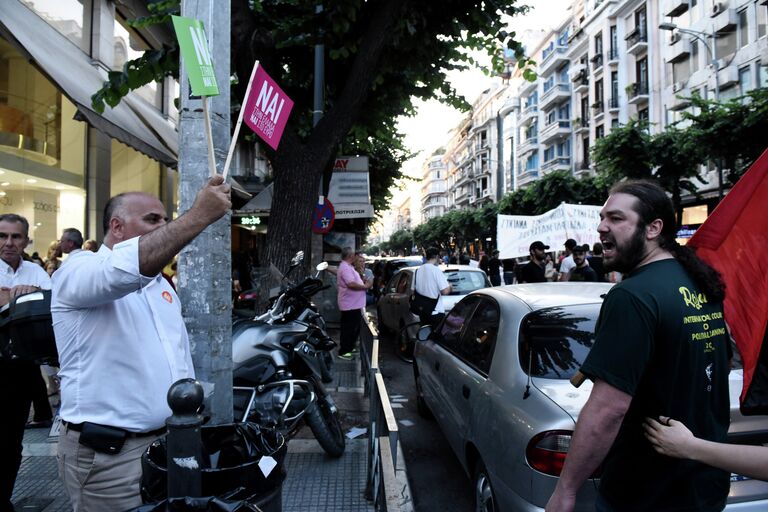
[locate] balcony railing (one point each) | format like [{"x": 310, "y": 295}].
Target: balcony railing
[
  {"x": 638, "y": 92},
  {"x": 559, "y": 162},
  {"x": 613, "y": 55},
  {"x": 637, "y": 40},
  {"x": 597, "y": 62},
  {"x": 613, "y": 103}
]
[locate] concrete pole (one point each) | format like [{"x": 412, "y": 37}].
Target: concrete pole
[
  {"x": 317, "y": 115},
  {"x": 205, "y": 265}
]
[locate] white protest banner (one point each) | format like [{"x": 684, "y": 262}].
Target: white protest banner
[{"x": 515, "y": 233}]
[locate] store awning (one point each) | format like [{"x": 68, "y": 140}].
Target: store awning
[
  {"x": 262, "y": 202},
  {"x": 78, "y": 78}
]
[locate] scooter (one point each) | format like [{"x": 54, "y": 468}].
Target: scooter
[{"x": 280, "y": 361}]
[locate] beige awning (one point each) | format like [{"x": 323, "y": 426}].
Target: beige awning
[{"x": 132, "y": 123}]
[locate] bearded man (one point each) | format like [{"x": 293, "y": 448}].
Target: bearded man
[{"x": 660, "y": 349}]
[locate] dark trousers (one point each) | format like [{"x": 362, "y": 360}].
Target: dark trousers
[
  {"x": 350, "y": 330},
  {"x": 38, "y": 393},
  {"x": 431, "y": 320},
  {"x": 15, "y": 399},
  {"x": 496, "y": 280}
]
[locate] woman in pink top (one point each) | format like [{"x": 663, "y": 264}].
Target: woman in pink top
[{"x": 351, "y": 300}]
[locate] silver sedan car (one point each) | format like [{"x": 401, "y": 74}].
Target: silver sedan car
[
  {"x": 495, "y": 375},
  {"x": 393, "y": 309}
]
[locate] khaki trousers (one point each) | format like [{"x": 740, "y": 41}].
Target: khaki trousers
[{"x": 97, "y": 482}]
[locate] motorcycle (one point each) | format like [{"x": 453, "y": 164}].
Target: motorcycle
[{"x": 281, "y": 359}]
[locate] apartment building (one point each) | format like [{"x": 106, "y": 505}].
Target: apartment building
[{"x": 434, "y": 200}]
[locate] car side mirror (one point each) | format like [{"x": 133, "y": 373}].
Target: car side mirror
[{"x": 424, "y": 333}]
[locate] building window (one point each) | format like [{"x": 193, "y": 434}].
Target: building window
[
  {"x": 598, "y": 91},
  {"x": 761, "y": 15},
  {"x": 641, "y": 23},
  {"x": 694, "y": 56},
  {"x": 585, "y": 153},
  {"x": 743, "y": 28},
  {"x": 745, "y": 79},
  {"x": 599, "y": 44},
  {"x": 642, "y": 114},
  {"x": 599, "y": 132},
  {"x": 642, "y": 74},
  {"x": 726, "y": 44},
  {"x": 130, "y": 45},
  {"x": 614, "y": 44},
  {"x": 66, "y": 16},
  {"x": 762, "y": 74},
  {"x": 614, "y": 89}
]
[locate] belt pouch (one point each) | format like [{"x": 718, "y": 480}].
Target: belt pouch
[{"x": 103, "y": 438}]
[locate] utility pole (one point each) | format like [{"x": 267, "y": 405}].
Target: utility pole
[
  {"x": 317, "y": 115},
  {"x": 205, "y": 265}
]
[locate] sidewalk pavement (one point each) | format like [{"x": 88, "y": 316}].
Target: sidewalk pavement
[{"x": 314, "y": 481}]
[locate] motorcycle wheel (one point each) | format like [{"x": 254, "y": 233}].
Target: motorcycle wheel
[{"x": 325, "y": 424}]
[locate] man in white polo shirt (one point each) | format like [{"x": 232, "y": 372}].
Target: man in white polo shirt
[
  {"x": 122, "y": 342},
  {"x": 17, "y": 377}
]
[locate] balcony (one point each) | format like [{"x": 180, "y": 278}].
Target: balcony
[
  {"x": 530, "y": 144},
  {"x": 637, "y": 41},
  {"x": 527, "y": 176},
  {"x": 528, "y": 113},
  {"x": 674, "y": 8},
  {"x": 580, "y": 125},
  {"x": 613, "y": 104},
  {"x": 598, "y": 108},
  {"x": 555, "y": 131},
  {"x": 557, "y": 163},
  {"x": 638, "y": 93},
  {"x": 577, "y": 72},
  {"x": 527, "y": 87},
  {"x": 551, "y": 59},
  {"x": 555, "y": 94},
  {"x": 725, "y": 21},
  {"x": 581, "y": 86},
  {"x": 727, "y": 77},
  {"x": 679, "y": 50},
  {"x": 613, "y": 57},
  {"x": 597, "y": 63}
]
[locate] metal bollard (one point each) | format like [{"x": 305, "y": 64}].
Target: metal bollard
[{"x": 185, "y": 446}]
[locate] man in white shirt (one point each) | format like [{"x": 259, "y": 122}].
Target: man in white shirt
[
  {"x": 71, "y": 241},
  {"x": 431, "y": 282},
  {"x": 17, "y": 378},
  {"x": 122, "y": 343}
]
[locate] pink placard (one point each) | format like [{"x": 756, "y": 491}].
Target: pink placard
[{"x": 267, "y": 108}]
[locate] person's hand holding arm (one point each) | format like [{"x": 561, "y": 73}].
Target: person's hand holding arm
[
  {"x": 672, "y": 438},
  {"x": 598, "y": 424},
  {"x": 157, "y": 247}
]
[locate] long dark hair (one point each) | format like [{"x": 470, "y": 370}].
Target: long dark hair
[{"x": 653, "y": 203}]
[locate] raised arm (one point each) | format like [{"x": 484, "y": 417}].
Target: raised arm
[{"x": 158, "y": 247}]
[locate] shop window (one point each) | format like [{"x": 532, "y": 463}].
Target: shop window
[{"x": 66, "y": 16}]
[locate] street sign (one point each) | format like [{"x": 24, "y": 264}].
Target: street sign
[
  {"x": 323, "y": 217},
  {"x": 197, "y": 56}
]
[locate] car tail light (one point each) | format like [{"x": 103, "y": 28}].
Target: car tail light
[{"x": 546, "y": 451}]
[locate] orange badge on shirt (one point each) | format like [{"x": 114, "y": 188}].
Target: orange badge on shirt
[{"x": 167, "y": 296}]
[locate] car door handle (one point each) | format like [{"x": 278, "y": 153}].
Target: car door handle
[{"x": 465, "y": 391}]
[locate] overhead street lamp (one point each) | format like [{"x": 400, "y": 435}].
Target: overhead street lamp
[{"x": 712, "y": 50}]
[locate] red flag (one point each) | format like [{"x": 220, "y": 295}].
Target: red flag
[{"x": 733, "y": 240}]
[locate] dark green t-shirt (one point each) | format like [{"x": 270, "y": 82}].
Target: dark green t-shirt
[{"x": 660, "y": 340}]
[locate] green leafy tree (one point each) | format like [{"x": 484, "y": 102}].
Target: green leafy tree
[
  {"x": 677, "y": 158},
  {"x": 401, "y": 241},
  {"x": 624, "y": 152},
  {"x": 731, "y": 133},
  {"x": 381, "y": 55}
]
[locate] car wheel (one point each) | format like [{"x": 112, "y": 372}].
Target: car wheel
[
  {"x": 485, "y": 501},
  {"x": 421, "y": 405}
]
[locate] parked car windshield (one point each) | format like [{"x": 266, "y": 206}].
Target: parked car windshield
[
  {"x": 555, "y": 341},
  {"x": 464, "y": 281}
]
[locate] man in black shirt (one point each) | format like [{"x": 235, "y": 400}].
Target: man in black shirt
[
  {"x": 494, "y": 266},
  {"x": 596, "y": 261},
  {"x": 582, "y": 271},
  {"x": 533, "y": 271},
  {"x": 660, "y": 349}
]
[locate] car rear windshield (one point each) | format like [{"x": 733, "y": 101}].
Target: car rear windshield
[
  {"x": 464, "y": 281},
  {"x": 555, "y": 341}
]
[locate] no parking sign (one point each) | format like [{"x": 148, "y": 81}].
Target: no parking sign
[{"x": 323, "y": 217}]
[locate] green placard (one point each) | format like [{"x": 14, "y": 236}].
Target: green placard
[{"x": 197, "y": 56}]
